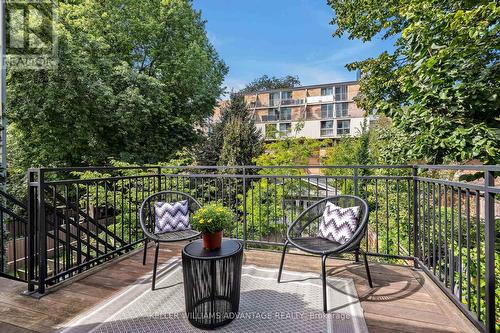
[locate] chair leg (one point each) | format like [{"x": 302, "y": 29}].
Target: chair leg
[
  {"x": 323, "y": 278},
  {"x": 282, "y": 261},
  {"x": 145, "y": 252},
  {"x": 367, "y": 270},
  {"x": 155, "y": 266},
  {"x": 356, "y": 256}
]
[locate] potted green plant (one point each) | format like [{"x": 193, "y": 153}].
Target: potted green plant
[{"x": 211, "y": 220}]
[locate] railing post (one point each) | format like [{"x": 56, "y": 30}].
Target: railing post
[
  {"x": 489, "y": 222},
  {"x": 31, "y": 230},
  {"x": 159, "y": 178},
  {"x": 355, "y": 179},
  {"x": 244, "y": 208},
  {"x": 3, "y": 244},
  {"x": 415, "y": 217},
  {"x": 42, "y": 233},
  {"x": 356, "y": 193}
]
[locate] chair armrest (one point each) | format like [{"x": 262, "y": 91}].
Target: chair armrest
[
  {"x": 300, "y": 217},
  {"x": 143, "y": 224}
]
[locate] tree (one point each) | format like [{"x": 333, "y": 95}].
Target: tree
[
  {"x": 363, "y": 154},
  {"x": 133, "y": 81},
  {"x": 289, "y": 151},
  {"x": 371, "y": 147},
  {"x": 440, "y": 85},
  {"x": 268, "y": 83},
  {"x": 234, "y": 139},
  {"x": 268, "y": 205}
]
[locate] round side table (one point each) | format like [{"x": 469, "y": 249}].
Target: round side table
[{"x": 212, "y": 281}]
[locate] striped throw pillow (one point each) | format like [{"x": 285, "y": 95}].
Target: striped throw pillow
[
  {"x": 171, "y": 217},
  {"x": 338, "y": 224}
]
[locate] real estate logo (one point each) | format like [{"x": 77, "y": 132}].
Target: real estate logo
[{"x": 31, "y": 36}]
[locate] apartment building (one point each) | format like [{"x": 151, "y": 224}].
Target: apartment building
[{"x": 318, "y": 111}]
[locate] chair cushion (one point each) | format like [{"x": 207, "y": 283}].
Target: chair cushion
[
  {"x": 171, "y": 217},
  {"x": 338, "y": 224}
]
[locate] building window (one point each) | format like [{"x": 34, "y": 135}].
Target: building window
[
  {"x": 343, "y": 127},
  {"x": 341, "y": 93},
  {"x": 274, "y": 98},
  {"x": 341, "y": 110},
  {"x": 272, "y": 115},
  {"x": 327, "y": 91},
  {"x": 326, "y": 111},
  {"x": 326, "y": 128},
  {"x": 285, "y": 128},
  {"x": 285, "y": 114},
  {"x": 286, "y": 95}
]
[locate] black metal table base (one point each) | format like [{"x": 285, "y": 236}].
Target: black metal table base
[{"x": 212, "y": 281}]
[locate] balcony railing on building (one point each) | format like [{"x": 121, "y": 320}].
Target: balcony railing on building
[
  {"x": 275, "y": 117},
  {"x": 297, "y": 101},
  {"x": 327, "y": 98},
  {"x": 327, "y": 132},
  {"x": 276, "y": 103}
]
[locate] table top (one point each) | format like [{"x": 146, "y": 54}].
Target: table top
[{"x": 228, "y": 248}]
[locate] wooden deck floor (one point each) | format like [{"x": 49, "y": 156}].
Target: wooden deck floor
[{"x": 403, "y": 300}]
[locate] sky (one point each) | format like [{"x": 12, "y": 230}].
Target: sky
[{"x": 282, "y": 37}]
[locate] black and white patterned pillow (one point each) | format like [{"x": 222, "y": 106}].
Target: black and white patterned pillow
[
  {"x": 171, "y": 217},
  {"x": 338, "y": 224}
]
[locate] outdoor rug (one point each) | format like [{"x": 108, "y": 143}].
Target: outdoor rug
[{"x": 294, "y": 305}]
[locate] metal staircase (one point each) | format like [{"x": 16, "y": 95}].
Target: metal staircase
[{"x": 73, "y": 236}]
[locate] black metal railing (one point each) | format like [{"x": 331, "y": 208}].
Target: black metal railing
[
  {"x": 13, "y": 238},
  {"x": 420, "y": 215},
  {"x": 458, "y": 239}
]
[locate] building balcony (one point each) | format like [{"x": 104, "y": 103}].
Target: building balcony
[
  {"x": 269, "y": 118},
  {"x": 83, "y": 249},
  {"x": 298, "y": 101},
  {"x": 276, "y": 103},
  {"x": 320, "y": 99},
  {"x": 326, "y": 116},
  {"x": 327, "y": 99},
  {"x": 272, "y": 118}
]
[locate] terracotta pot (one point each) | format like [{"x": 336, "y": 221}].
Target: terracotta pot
[{"x": 212, "y": 241}]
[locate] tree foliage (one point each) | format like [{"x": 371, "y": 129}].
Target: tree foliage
[
  {"x": 289, "y": 151},
  {"x": 440, "y": 85},
  {"x": 371, "y": 147},
  {"x": 134, "y": 79},
  {"x": 268, "y": 83},
  {"x": 233, "y": 139}
]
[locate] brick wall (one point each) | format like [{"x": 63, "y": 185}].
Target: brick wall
[
  {"x": 299, "y": 94},
  {"x": 314, "y": 92},
  {"x": 354, "y": 111}
]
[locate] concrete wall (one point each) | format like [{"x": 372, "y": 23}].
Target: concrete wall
[{"x": 311, "y": 129}]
